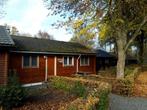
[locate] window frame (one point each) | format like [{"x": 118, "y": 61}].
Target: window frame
[
  {"x": 30, "y": 62},
  {"x": 65, "y": 65},
  {"x": 88, "y": 63}
]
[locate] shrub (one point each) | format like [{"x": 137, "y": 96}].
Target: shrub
[
  {"x": 79, "y": 89},
  {"x": 103, "y": 100},
  {"x": 82, "y": 104},
  {"x": 13, "y": 94},
  {"x": 58, "y": 83},
  {"x": 123, "y": 87},
  {"x": 89, "y": 89}
]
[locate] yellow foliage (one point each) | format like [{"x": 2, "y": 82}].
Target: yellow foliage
[
  {"x": 77, "y": 24},
  {"x": 104, "y": 30}
]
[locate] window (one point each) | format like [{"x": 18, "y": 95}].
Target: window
[
  {"x": 30, "y": 61},
  {"x": 26, "y": 61},
  {"x": 84, "y": 61},
  {"x": 34, "y": 61},
  {"x": 68, "y": 61}
]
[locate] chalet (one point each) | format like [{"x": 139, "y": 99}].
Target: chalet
[{"x": 35, "y": 59}]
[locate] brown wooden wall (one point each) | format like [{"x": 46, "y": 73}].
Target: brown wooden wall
[
  {"x": 27, "y": 75},
  {"x": 3, "y": 68},
  {"x": 32, "y": 75}
]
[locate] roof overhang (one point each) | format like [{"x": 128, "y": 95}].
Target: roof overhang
[{"x": 52, "y": 53}]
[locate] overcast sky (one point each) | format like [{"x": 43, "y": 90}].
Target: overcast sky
[{"x": 30, "y": 16}]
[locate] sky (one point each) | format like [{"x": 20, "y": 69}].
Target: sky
[{"x": 30, "y": 16}]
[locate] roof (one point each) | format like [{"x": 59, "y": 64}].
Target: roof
[
  {"x": 30, "y": 44},
  {"x": 5, "y": 38},
  {"x": 103, "y": 53}
]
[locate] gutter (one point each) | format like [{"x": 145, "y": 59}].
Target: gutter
[{"x": 52, "y": 53}]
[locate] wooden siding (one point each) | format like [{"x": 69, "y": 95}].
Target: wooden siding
[
  {"x": 3, "y": 68},
  {"x": 32, "y": 75},
  {"x": 27, "y": 75},
  {"x": 91, "y": 68},
  {"x": 65, "y": 70}
]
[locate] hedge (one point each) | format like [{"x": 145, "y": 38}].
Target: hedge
[{"x": 89, "y": 92}]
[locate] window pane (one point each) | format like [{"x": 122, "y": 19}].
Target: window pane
[
  {"x": 34, "y": 61},
  {"x": 26, "y": 61},
  {"x": 82, "y": 60},
  {"x": 65, "y": 60},
  {"x": 86, "y": 61},
  {"x": 70, "y": 60}
]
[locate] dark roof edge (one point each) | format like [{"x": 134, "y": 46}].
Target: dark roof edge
[{"x": 52, "y": 53}]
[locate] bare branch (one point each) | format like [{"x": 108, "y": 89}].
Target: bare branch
[{"x": 135, "y": 33}]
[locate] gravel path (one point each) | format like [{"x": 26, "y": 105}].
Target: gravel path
[{"x": 127, "y": 103}]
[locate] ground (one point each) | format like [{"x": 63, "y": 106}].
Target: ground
[
  {"x": 141, "y": 85},
  {"x": 52, "y": 99},
  {"x": 46, "y": 99}
]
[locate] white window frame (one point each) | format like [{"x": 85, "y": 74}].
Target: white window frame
[
  {"x": 30, "y": 62},
  {"x": 84, "y": 64},
  {"x": 68, "y": 61}
]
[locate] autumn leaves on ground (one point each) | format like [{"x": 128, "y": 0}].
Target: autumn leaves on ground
[
  {"x": 46, "y": 99},
  {"x": 140, "y": 88}
]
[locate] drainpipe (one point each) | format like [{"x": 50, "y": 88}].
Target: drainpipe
[
  {"x": 46, "y": 68},
  {"x": 78, "y": 63}
]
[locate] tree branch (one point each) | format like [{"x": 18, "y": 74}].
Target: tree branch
[{"x": 135, "y": 33}]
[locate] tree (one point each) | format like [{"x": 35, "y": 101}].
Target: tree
[
  {"x": 121, "y": 20},
  {"x": 12, "y": 29},
  {"x": 83, "y": 33},
  {"x": 44, "y": 35}
]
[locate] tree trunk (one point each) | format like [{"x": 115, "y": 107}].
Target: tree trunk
[{"x": 121, "y": 42}]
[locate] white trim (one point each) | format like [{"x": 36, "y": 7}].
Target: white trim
[
  {"x": 32, "y": 84},
  {"x": 85, "y": 64},
  {"x": 55, "y": 66},
  {"x": 46, "y": 68},
  {"x": 30, "y": 62},
  {"x": 68, "y": 61},
  {"x": 56, "y": 53}
]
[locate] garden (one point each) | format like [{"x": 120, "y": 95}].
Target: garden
[{"x": 59, "y": 93}]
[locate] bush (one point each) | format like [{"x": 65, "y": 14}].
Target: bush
[
  {"x": 79, "y": 89},
  {"x": 13, "y": 94},
  {"x": 123, "y": 87},
  {"x": 103, "y": 100},
  {"x": 58, "y": 83},
  {"x": 88, "y": 92}
]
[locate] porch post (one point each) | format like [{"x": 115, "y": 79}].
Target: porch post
[
  {"x": 46, "y": 68},
  {"x": 55, "y": 66},
  {"x": 78, "y": 63}
]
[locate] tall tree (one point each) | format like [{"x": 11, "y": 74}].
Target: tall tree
[
  {"x": 122, "y": 20},
  {"x": 44, "y": 35}
]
